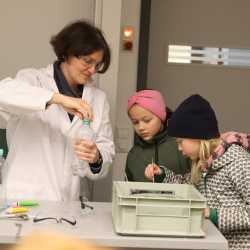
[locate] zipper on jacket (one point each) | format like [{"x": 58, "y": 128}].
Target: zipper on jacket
[{"x": 156, "y": 159}]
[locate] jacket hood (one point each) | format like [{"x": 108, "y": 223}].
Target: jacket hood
[
  {"x": 229, "y": 156},
  {"x": 223, "y": 154}
]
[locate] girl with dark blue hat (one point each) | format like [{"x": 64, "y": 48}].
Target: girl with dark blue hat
[{"x": 220, "y": 167}]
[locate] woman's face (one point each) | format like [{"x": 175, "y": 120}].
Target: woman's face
[
  {"x": 145, "y": 123},
  {"x": 78, "y": 70},
  {"x": 189, "y": 147}
]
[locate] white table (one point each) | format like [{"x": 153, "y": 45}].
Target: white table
[{"x": 96, "y": 226}]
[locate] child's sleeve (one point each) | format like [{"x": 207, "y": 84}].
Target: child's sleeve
[
  {"x": 171, "y": 177},
  {"x": 128, "y": 174},
  {"x": 237, "y": 217},
  {"x": 161, "y": 177}
]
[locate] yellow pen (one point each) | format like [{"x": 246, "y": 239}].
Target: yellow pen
[{"x": 15, "y": 210}]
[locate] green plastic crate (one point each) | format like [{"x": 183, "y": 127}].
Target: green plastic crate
[{"x": 157, "y": 209}]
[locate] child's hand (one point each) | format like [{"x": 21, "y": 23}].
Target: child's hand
[
  {"x": 152, "y": 170},
  {"x": 206, "y": 212}
]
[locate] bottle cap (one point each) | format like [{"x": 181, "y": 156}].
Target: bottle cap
[
  {"x": 86, "y": 121},
  {"x": 1, "y": 152}
]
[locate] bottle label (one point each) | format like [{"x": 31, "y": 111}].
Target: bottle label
[{"x": 86, "y": 122}]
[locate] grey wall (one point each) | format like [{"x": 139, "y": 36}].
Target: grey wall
[
  {"x": 213, "y": 23},
  {"x": 26, "y": 27}
]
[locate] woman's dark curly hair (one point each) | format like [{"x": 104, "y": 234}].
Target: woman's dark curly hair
[{"x": 81, "y": 38}]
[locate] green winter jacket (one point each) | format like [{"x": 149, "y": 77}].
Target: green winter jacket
[{"x": 162, "y": 149}]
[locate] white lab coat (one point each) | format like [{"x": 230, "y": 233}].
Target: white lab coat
[{"x": 40, "y": 155}]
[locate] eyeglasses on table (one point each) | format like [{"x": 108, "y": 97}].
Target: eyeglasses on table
[{"x": 58, "y": 220}]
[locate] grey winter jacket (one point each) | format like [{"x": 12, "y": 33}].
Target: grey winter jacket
[{"x": 226, "y": 186}]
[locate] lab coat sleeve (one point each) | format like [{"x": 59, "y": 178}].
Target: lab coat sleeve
[
  {"x": 105, "y": 144},
  {"x": 18, "y": 97},
  {"x": 4, "y": 117}
]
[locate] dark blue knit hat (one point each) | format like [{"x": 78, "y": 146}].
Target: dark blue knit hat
[{"x": 194, "y": 118}]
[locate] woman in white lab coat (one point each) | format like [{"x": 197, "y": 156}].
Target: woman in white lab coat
[{"x": 37, "y": 108}]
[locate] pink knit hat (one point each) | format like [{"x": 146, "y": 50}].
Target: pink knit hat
[{"x": 151, "y": 100}]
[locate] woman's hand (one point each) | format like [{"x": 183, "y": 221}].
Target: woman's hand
[
  {"x": 152, "y": 170},
  {"x": 86, "y": 150},
  {"x": 74, "y": 106}
]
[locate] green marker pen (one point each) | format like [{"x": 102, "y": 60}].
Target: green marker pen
[{"x": 26, "y": 203}]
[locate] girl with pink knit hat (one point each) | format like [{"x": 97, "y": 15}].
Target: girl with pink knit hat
[{"x": 149, "y": 115}]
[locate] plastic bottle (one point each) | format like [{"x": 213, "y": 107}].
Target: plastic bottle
[
  {"x": 85, "y": 132},
  {"x": 2, "y": 160}
]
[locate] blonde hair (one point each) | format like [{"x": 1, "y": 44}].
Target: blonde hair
[
  {"x": 54, "y": 241},
  {"x": 206, "y": 149}
]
